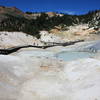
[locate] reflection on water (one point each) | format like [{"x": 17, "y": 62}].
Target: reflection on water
[{"x": 68, "y": 56}]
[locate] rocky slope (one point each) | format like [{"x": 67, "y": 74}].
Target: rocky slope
[
  {"x": 13, "y": 19},
  {"x": 12, "y": 39},
  {"x": 60, "y": 28}
]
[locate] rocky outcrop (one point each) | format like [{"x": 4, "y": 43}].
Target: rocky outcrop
[
  {"x": 12, "y": 39},
  {"x": 49, "y": 37},
  {"x": 95, "y": 22}
]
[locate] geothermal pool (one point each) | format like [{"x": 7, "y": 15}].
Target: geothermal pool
[
  {"x": 73, "y": 55},
  {"x": 63, "y": 55}
]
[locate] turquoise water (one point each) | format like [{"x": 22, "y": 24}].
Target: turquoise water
[{"x": 68, "y": 56}]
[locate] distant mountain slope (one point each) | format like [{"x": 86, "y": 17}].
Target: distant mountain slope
[{"x": 13, "y": 19}]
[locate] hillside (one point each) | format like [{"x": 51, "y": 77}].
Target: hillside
[{"x": 13, "y": 19}]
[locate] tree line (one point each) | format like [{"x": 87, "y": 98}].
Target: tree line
[{"x": 43, "y": 22}]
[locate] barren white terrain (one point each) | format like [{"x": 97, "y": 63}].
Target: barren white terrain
[
  {"x": 11, "y": 39},
  {"x": 38, "y": 74},
  {"x": 26, "y": 75}
]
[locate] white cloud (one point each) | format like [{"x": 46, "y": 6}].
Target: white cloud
[{"x": 68, "y": 12}]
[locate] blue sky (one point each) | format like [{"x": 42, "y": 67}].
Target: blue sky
[{"x": 66, "y": 6}]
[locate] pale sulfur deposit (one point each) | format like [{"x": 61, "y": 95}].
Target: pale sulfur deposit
[
  {"x": 27, "y": 77},
  {"x": 11, "y": 39}
]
